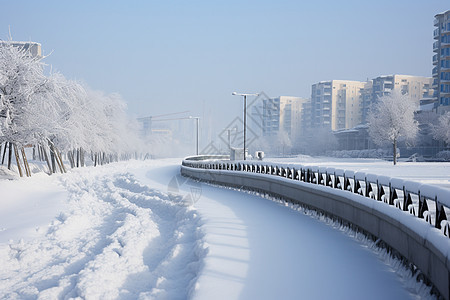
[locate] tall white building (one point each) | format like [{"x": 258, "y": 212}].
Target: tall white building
[
  {"x": 417, "y": 87},
  {"x": 441, "y": 59},
  {"x": 336, "y": 104},
  {"x": 282, "y": 114}
]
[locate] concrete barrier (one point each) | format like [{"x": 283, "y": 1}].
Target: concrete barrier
[{"x": 421, "y": 244}]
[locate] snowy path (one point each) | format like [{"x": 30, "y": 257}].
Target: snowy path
[
  {"x": 115, "y": 238},
  {"x": 115, "y": 232}
]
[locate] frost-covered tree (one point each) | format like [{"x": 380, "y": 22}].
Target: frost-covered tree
[
  {"x": 53, "y": 113},
  {"x": 393, "y": 118},
  {"x": 22, "y": 81},
  {"x": 441, "y": 131}
]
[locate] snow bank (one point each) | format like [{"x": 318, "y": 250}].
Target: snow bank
[{"x": 114, "y": 237}]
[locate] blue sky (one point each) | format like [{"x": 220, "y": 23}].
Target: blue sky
[{"x": 169, "y": 56}]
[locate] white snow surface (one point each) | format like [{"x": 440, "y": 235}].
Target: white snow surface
[
  {"x": 138, "y": 230},
  {"x": 96, "y": 233}
]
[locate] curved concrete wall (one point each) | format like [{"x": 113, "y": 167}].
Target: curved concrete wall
[{"x": 422, "y": 244}]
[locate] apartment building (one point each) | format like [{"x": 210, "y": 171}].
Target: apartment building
[
  {"x": 417, "y": 87},
  {"x": 336, "y": 104},
  {"x": 282, "y": 114},
  {"x": 441, "y": 60}
]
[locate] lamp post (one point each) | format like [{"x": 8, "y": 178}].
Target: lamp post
[
  {"x": 245, "y": 112},
  {"x": 197, "y": 119},
  {"x": 229, "y": 136}
]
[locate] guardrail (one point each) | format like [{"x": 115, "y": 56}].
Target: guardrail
[{"x": 410, "y": 217}]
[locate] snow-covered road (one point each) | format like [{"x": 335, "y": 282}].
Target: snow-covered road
[{"x": 122, "y": 231}]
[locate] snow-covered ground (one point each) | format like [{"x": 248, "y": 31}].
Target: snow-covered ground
[
  {"x": 139, "y": 230},
  {"x": 96, "y": 233}
]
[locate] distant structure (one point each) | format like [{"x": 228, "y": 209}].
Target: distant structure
[
  {"x": 343, "y": 106},
  {"x": 145, "y": 126},
  {"x": 336, "y": 104},
  {"x": 417, "y": 87},
  {"x": 283, "y": 114},
  {"x": 35, "y": 49},
  {"x": 441, "y": 60}
]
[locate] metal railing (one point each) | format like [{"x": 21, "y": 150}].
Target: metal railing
[{"x": 428, "y": 202}]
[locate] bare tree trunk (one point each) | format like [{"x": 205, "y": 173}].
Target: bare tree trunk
[
  {"x": 16, "y": 153},
  {"x": 41, "y": 155},
  {"x": 70, "y": 158},
  {"x": 61, "y": 163},
  {"x": 55, "y": 158},
  {"x": 4, "y": 152},
  {"x": 81, "y": 157},
  {"x": 45, "y": 155},
  {"x": 52, "y": 159},
  {"x": 9, "y": 155},
  {"x": 78, "y": 157},
  {"x": 395, "y": 152},
  {"x": 25, "y": 162},
  {"x": 52, "y": 156}
]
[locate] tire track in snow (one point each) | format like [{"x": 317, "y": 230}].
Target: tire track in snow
[
  {"x": 119, "y": 239},
  {"x": 173, "y": 257}
]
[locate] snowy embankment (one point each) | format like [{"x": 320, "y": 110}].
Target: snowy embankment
[
  {"x": 95, "y": 233},
  {"x": 116, "y": 232}
]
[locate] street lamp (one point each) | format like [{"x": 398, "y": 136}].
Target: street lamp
[
  {"x": 229, "y": 136},
  {"x": 197, "y": 119},
  {"x": 245, "y": 112}
]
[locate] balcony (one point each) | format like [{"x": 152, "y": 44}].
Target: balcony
[
  {"x": 436, "y": 22},
  {"x": 434, "y": 71},
  {"x": 436, "y": 33},
  {"x": 435, "y": 84},
  {"x": 435, "y": 46},
  {"x": 435, "y": 59}
]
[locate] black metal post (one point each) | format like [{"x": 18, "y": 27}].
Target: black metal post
[{"x": 245, "y": 121}]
